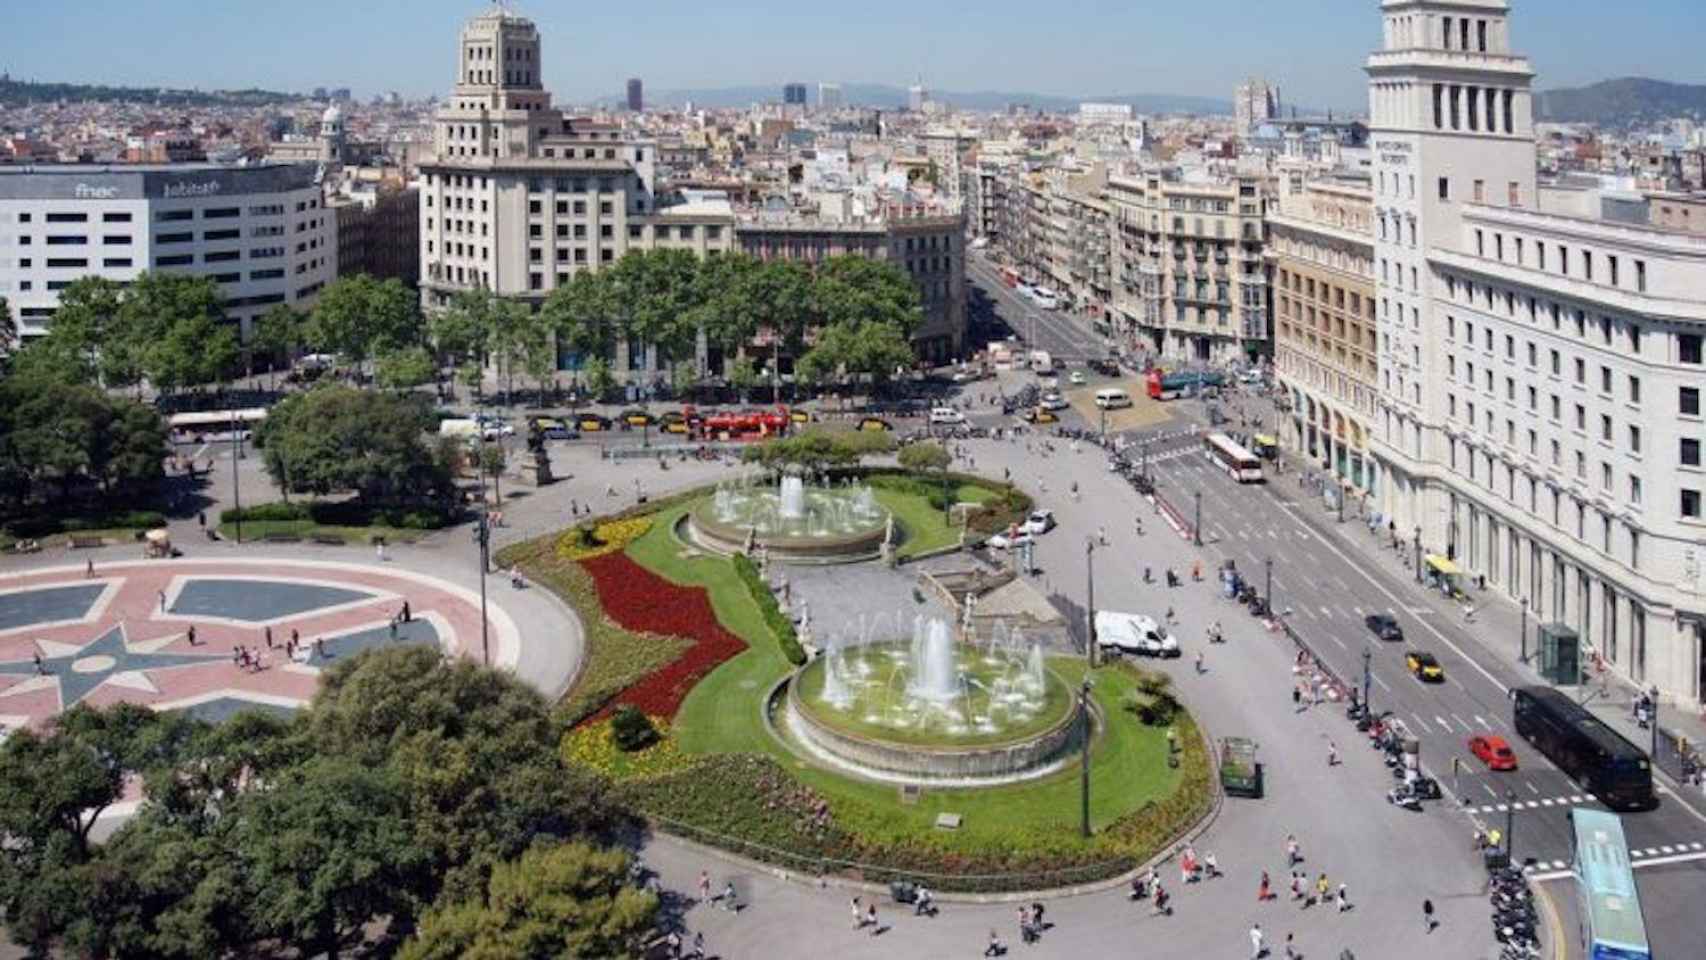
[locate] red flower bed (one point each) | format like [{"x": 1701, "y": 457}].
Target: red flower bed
[{"x": 639, "y": 600}]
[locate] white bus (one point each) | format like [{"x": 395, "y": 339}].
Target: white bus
[{"x": 1239, "y": 463}]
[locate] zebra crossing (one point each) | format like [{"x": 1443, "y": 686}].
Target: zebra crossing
[
  {"x": 1574, "y": 799},
  {"x": 1638, "y": 858}
]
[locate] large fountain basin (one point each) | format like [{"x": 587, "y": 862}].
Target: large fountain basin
[
  {"x": 705, "y": 529},
  {"x": 885, "y": 735}
]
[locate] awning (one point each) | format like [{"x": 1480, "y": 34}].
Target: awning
[{"x": 1442, "y": 565}]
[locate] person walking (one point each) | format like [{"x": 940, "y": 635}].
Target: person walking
[
  {"x": 1290, "y": 950},
  {"x": 871, "y": 918},
  {"x": 699, "y": 945},
  {"x": 1257, "y": 949},
  {"x": 1428, "y": 916},
  {"x": 1026, "y": 933},
  {"x": 408, "y": 615},
  {"x": 268, "y": 632},
  {"x": 1200, "y": 668},
  {"x": 858, "y": 914},
  {"x": 1211, "y": 866},
  {"x": 1344, "y": 898},
  {"x": 1332, "y": 754},
  {"x": 190, "y": 635},
  {"x": 994, "y": 949},
  {"x": 41, "y": 669},
  {"x": 162, "y": 594},
  {"x": 1293, "y": 851},
  {"x": 89, "y": 571},
  {"x": 1322, "y": 888},
  {"x": 729, "y": 902},
  {"x": 1263, "y": 893},
  {"x": 1296, "y": 886}
]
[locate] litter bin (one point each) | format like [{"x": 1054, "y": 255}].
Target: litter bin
[{"x": 903, "y": 891}]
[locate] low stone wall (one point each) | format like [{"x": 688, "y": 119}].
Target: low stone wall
[
  {"x": 925, "y": 764},
  {"x": 730, "y": 539}
]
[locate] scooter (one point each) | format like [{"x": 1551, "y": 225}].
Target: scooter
[{"x": 1401, "y": 796}]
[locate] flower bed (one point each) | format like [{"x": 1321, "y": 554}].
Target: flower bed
[
  {"x": 608, "y": 537},
  {"x": 637, "y": 599},
  {"x": 593, "y": 745}
]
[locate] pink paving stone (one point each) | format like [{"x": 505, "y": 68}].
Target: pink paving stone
[{"x": 136, "y": 606}]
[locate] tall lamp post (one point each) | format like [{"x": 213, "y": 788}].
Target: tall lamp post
[
  {"x": 1084, "y": 761},
  {"x": 236, "y": 475},
  {"x": 484, "y": 535},
  {"x": 1510, "y": 825},
  {"x": 1090, "y": 603},
  {"x": 1367, "y": 678},
  {"x": 1418, "y": 554},
  {"x": 1524, "y": 629},
  {"x": 1196, "y": 532},
  {"x": 1268, "y": 569}
]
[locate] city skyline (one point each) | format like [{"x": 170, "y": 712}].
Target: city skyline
[{"x": 1316, "y": 59}]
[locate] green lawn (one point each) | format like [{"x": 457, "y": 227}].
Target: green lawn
[
  {"x": 926, "y": 528},
  {"x": 52, "y": 540},
  {"x": 256, "y": 529}
]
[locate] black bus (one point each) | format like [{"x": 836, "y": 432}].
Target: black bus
[{"x": 1589, "y": 752}]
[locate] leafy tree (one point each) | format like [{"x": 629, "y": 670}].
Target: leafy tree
[
  {"x": 871, "y": 348},
  {"x": 683, "y": 376},
  {"x": 780, "y": 298},
  {"x": 337, "y": 439},
  {"x": 515, "y": 334},
  {"x": 8, "y": 328},
  {"x": 598, "y": 377},
  {"x": 327, "y": 847},
  {"x": 87, "y": 342},
  {"x": 459, "y": 332},
  {"x": 813, "y": 451},
  {"x": 584, "y": 313},
  {"x": 743, "y": 376},
  {"x": 658, "y": 292},
  {"x": 721, "y": 307},
  {"x": 55, "y": 432},
  {"x": 359, "y": 317},
  {"x": 925, "y": 457},
  {"x": 851, "y": 289},
  {"x": 405, "y": 367},
  {"x": 568, "y": 900},
  {"x": 172, "y": 326},
  {"x": 493, "y": 459},
  {"x": 279, "y": 331}
]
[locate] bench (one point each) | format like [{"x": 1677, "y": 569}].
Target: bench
[
  {"x": 329, "y": 540},
  {"x": 280, "y": 538},
  {"x": 87, "y": 543}
]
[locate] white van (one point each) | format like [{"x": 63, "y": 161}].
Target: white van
[
  {"x": 946, "y": 415},
  {"x": 1041, "y": 363},
  {"x": 1113, "y": 398}
]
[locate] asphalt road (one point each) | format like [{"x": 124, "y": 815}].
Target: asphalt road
[{"x": 1063, "y": 336}]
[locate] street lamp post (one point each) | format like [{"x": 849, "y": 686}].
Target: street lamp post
[
  {"x": 1196, "y": 532},
  {"x": 1268, "y": 570},
  {"x": 1418, "y": 554},
  {"x": 1104, "y": 412},
  {"x": 1524, "y": 630},
  {"x": 1367, "y": 678},
  {"x": 1090, "y": 603},
  {"x": 236, "y": 476},
  {"x": 1084, "y": 761},
  {"x": 485, "y": 536},
  {"x": 1510, "y": 825}
]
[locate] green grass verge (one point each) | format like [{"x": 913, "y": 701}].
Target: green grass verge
[
  {"x": 926, "y": 528},
  {"x": 257, "y": 529},
  {"x": 53, "y": 540}
]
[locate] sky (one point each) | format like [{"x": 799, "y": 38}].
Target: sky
[{"x": 1312, "y": 49}]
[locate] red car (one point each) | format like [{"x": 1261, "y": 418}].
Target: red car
[{"x": 1493, "y": 751}]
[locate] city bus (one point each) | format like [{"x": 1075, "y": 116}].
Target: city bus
[
  {"x": 1599, "y": 758},
  {"x": 1239, "y": 463},
  {"x": 1608, "y": 907},
  {"x": 1171, "y": 386}
]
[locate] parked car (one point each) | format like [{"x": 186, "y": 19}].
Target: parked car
[
  {"x": 1424, "y": 665},
  {"x": 1492, "y": 750},
  {"x": 552, "y": 428},
  {"x": 946, "y": 415},
  {"x": 1040, "y": 415},
  {"x": 1008, "y": 540},
  {"x": 591, "y": 423},
  {"x": 1039, "y": 522},
  {"x": 1077, "y": 378},
  {"x": 1134, "y": 634},
  {"x": 1384, "y": 625}
]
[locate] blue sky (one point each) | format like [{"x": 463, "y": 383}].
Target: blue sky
[{"x": 1312, "y": 48}]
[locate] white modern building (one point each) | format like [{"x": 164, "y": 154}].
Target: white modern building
[
  {"x": 261, "y": 232},
  {"x": 1097, "y": 113},
  {"x": 1541, "y": 365},
  {"x": 830, "y": 97}
]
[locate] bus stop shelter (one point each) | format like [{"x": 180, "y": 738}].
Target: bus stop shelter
[{"x": 1443, "y": 575}]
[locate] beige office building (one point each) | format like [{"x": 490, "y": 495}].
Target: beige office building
[{"x": 1325, "y": 345}]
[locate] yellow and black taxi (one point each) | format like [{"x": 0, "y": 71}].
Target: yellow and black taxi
[
  {"x": 874, "y": 425},
  {"x": 1041, "y": 415},
  {"x": 551, "y": 428},
  {"x": 635, "y": 418},
  {"x": 1424, "y": 666},
  {"x": 591, "y": 423},
  {"x": 674, "y": 421}
]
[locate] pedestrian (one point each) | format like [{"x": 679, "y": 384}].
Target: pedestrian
[
  {"x": 730, "y": 904},
  {"x": 1290, "y": 950},
  {"x": 871, "y": 918},
  {"x": 1102, "y": 535},
  {"x": 1332, "y": 754},
  {"x": 1263, "y": 894},
  {"x": 1297, "y": 697},
  {"x": 379, "y": 549},
  {"x": 1037, "y": 916},
  {"x": 1160, "y": 900},
  {"x": 320, "y": 647},
  {"x": 858, "y": 914},
  {"x": 1428, "y": 915},
  {"x": 1026, "y": 934},
  {"x": 162, "y": 594},
  {"x": 408, "y": 615},
  {"x": 705, "y": 882},
  {"x": 922, "y": 903},
  {"x": 201, "y": 518},
  {"x": 190, "y": 635},
  {"x": 295, "y": 639},
  {"x": 1257, "y": 950},
  {"x": 1200, "y": 669},
  {"x": 994, "y": 949},
  {"x": 699, "y": 946},
  {"x": 1296, "y": 886},
  {"x": 41, "y": 670},
  {"x": 1211, "y": 866},
  {"x": 268, "y": 632},
  {"x": 393, "y": 629},
  {"x": 1344, "y": 898},
  {"x": 89, "y": 570},
  {"x": 1322, "y": 887},
  {"x": 1293, "y": 851}
]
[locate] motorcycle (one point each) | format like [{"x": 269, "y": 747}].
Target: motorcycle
[{"x": 1401, "y": 796}]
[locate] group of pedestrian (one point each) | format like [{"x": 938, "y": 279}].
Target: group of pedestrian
[
  {"x": 251, "y": 661},
  {"x": 1031, "y": 924},
  {"x": 865, "y": 915}
]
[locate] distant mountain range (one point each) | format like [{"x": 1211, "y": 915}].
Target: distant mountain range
[
  {"x": 1625, "y": 102},
  {"x": 23, "y": 91},
  {"x": 882, "y": 95}
]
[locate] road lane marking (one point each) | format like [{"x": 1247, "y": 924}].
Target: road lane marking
[
  {"x": 1466, "y": 727},
  {"x": 1358, "y": 611},
  {"x": 1482, "y": 721},
  {"x": 1327, "y": 612},
  {"x": 1421, "y": 723},
  {"x": 1336, "y": 640},
  {"x": 1443, "y": 725},
  {"x": 1382, "y": 683},
  {"x": 1531, "y": 787},
  {"x": 1495, "y": 795}
]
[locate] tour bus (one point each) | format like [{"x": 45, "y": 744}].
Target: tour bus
[
  {"x": 1239, "y": 463},
  {"x": 1112, "y": 398},
  {"x": 1171, "y": 386},
  {"x": 1589, "y": 752},
  {"x": 1608, "y": 907}
]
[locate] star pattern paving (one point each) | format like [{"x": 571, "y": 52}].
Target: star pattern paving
[{"x": 79, "y": 672}]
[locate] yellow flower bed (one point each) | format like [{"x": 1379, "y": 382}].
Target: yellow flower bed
[
  {"x": 593, "y": 746},
  {"x": 608, "y": 537}
]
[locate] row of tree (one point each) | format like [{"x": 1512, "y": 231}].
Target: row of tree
[
  {"x": 415, "y": 795},
  {"x": 848, "y": 316},
  {"x": 60, "y": 440}
]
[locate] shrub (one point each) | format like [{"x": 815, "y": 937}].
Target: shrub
[
  {"x": 780, "y": 626},
  {"x": 632, "y": 730},
  {"x": 266, "y": 512}
]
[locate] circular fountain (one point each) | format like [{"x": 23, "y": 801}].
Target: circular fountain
[
  {"x": 795, "y": 521},
  {"x": 933, "y": 711}
]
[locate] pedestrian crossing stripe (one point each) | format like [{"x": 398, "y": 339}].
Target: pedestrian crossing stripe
[
  {"x": 1571, "y": 800},
  {"x": 1635, "y": 856}
]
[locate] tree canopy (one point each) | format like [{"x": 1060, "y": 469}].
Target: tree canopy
[
  {"x": 335, "y": 439},
  {"x": 359, "y": 317},
  {"x": 58, "y": 435},
  {"x": 409, "y": 786}
]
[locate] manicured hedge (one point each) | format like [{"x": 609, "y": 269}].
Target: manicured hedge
[
  {"x": 36, "y": 527},
  {"x": 774, "y": 617},
  {"x": 341, "y": 513}
]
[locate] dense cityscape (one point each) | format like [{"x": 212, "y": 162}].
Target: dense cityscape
[{"x": 480, "y": 526}]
